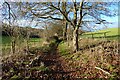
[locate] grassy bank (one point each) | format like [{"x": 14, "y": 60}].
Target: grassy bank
[{"x": 97, "y": 61}]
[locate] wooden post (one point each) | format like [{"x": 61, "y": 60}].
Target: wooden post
[
  {"x": 105, "y": 35},
  {"x": 92, "y": 36}
]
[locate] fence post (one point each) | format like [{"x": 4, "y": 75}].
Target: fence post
[
  {"x": 92, "y": 36},
  {"x": 104, "y": 34}
]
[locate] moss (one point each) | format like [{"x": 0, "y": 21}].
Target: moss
[
  {"x": 11, "y": 70},
  {"x": 15, "y": 77},
  {"x": 27, "y": 78},
  {"x": 41, "y": 68},
  {"x": 27, "y": 62},
  {"x": 77, "y": 67}
]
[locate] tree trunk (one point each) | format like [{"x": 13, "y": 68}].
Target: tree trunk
[
  {"x": 75, "y": 40},
  {"x": 65, "y": 31}
]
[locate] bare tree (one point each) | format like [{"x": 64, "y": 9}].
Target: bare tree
[
  {"x": 12, "y": 28},
  {"x": 83, "y": 12},
  {"x": 10, "y": 18}
]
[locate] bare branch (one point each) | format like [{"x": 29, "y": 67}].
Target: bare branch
[
  {"x": 46, "y": 17},
  {"x": 62, "y": 14},
  {"x": 103, "y": 71},
  {"x": 81, "y": 6}
]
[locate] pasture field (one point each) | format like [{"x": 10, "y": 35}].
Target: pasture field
[
  {"x": 21, "y": 43},
  {"x": 111, "y": 33},
  {"x": 7, "y": 39}
]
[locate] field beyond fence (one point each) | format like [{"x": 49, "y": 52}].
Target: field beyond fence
[{"x": 111, "y": 33}]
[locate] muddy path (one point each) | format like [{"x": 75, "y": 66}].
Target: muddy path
[{"x": 58, "y": 67}]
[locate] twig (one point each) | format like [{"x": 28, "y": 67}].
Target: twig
[{"x": 103, "y": 71}]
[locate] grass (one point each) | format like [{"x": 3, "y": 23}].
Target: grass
[
  {"x": 113, "y": 33},
  {"x": 40, "y": 68},
  {"x": 35, "y": 39},
  {"x": 7, "y": 39},
  {"x": 63, "y": 48},
  {"x": 21, "y": 43}
]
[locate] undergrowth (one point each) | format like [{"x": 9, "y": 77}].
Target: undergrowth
[
  {"x": 98, "y": 61},
  {"x": 104, "y": 55}
]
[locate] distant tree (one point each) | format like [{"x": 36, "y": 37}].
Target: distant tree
[{"x": 56, "y": 28}]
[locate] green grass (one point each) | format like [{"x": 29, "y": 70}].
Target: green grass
[
  {"x": 63, "y": 48},
  {"x": 5, "y": 42},
  {"x": 35, "y": 39},
  {"x": 5, "y": 39},
  {"x": 112, "y": 33}
]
